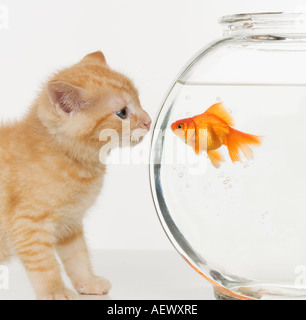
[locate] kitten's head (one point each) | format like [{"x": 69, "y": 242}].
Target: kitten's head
[{"x": 88, "y": 98}]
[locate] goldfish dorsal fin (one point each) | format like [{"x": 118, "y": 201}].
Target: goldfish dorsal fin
[{"x": 219, "y": 111}]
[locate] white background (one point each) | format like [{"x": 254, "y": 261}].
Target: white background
[{"x": 150, "y": 41}]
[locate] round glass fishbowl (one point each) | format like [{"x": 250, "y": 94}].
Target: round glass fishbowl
[{"x": 228, "y": 159}]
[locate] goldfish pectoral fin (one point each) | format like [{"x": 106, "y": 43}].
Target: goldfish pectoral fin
[
  {"x": 195, "y": 146},
  {"x": 197, "y": 150},
  {"x": 237, "y": 141},
  {"x": 215, "y": 158},
  {"x": 219, "y": 111}
]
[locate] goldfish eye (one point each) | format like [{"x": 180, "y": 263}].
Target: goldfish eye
[{"x": 179, "y": 126}]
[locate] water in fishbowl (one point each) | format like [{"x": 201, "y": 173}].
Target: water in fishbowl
[{"x": 245, "y": 220}]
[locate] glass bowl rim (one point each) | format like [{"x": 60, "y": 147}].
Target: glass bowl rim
[{"x": 264, "y": 17}]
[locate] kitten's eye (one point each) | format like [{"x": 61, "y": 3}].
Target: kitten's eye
[{"x": 122, "y": 113}]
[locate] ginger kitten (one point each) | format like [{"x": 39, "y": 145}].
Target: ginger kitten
[{"x": 50, "y": 173}]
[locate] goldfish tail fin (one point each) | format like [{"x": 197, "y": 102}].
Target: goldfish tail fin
[
  {"x": 215, "y": 157},
  {"x": 237, "y": 141},
  {"x": 219, "y": 111}
]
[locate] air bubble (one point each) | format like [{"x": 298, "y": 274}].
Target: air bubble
[
  {"x": 181, "y": 175},
  {"x": 187, "y": 186},
  {"x": 227, "y": 180},
  {"x": 230, "y": 186},
  {"x": 188, "y": 97}
]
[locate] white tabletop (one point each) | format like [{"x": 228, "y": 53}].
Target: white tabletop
[{"x": 135, "y": 275}]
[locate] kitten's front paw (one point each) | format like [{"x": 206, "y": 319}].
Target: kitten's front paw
[
  {"x": 61, "y": 294},
  {"x": 94, "y": 286}
]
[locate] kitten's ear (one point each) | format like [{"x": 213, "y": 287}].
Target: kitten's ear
[
  {"x": 96, "y": 56},
  {"x": 67, "y": 97}
]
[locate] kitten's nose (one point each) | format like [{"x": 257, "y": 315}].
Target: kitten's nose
[{"x": 147, "y": 124}]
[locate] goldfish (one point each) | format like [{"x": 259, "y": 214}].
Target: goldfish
[{"x": 212, "y": 129}]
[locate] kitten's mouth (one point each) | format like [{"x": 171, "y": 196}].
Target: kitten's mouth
[
  {"x": 135, "y": 142},
  {"x": 131, "y": 141},
  {"x": 138, "y": 135}
]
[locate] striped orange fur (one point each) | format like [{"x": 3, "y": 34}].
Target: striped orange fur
[{"x": 50, "y": 173}]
